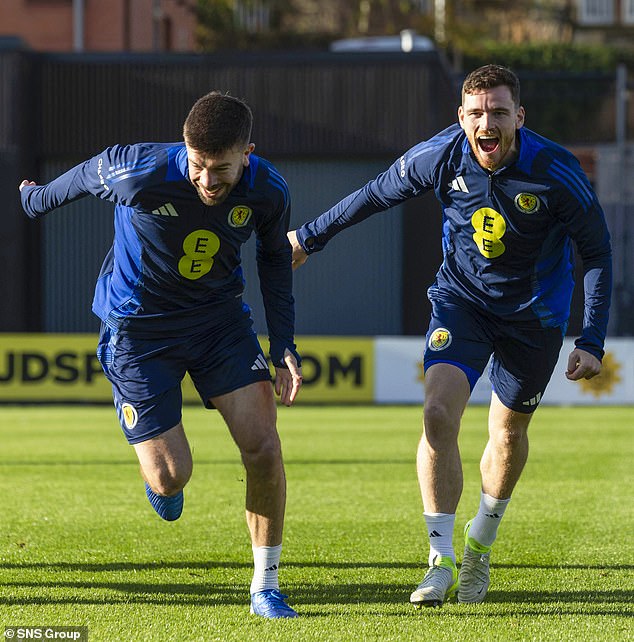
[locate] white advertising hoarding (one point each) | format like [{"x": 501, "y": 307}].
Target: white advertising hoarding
[{"x": 399, "y": 375}]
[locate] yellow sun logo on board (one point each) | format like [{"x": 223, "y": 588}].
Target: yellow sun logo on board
[
  {"x": 239, "y": 216},
  {"x": 604, "y": 383},
  {"x": 421, "y": 371},
  {"x": 527, "y": 203}
]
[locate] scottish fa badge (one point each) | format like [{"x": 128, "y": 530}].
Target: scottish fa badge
[
  {"x": 527, "y": 203},
  {"x": 130, "y": 415},
  {"x": 239, "y": 216},
  {"x": 440, "y": 339}
]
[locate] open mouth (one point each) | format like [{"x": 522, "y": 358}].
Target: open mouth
[
  {"x": 210, "y": 195},
  {"x": 488, "y": 144}
]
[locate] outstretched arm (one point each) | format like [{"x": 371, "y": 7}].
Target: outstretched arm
[
  {"x": 38, "y": 200},
  {"x": 409, "y": 176}
]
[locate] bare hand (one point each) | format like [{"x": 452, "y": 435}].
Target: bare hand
[
  {"x": 288, "y": 381},
  {"x": 582, "y": 365},
  {"x": 299, "y": 256},
  {"x": 25, "y": 183}
]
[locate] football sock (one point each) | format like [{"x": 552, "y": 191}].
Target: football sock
[
  {"x": 484, "y": 526},
  {"x": 266, "y": 560},
  {"x": 440, "y": 533},
  {"x": 169, "y": 508}
]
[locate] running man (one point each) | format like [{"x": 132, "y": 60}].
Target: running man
[
  {"x": 169, "y": 296},
  {"x": 513, "y": 203}
]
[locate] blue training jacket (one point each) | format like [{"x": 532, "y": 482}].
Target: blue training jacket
[
  {"x": 507, "y": 235},
  {"x": 175, "y": 262}
]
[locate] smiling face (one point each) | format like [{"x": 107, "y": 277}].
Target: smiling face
[
  {"x": 490, "y": 119},
  {"x": 215, "y": 176}
]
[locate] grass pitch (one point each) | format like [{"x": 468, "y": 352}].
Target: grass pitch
[{"x": 81, "y": 546}]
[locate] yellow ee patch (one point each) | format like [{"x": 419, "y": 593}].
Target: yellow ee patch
[
  {"x": 239, "y": 216},
  {"x": 490, "y": 227},
  {"x": 130, "y": 415},
  {"x": 200, "y": 247},
  {"x": 440, "y": 339},
  {"x": 527, "y": 203}
]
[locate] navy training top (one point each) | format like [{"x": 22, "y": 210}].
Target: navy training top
[
  {"x": 175, "y": 261},
  {"x": 506, "y": 234}
]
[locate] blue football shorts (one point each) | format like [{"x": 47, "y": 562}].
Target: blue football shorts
[
  {"x": 146, "y": 374},
  {"x": 523, "y": 353}
]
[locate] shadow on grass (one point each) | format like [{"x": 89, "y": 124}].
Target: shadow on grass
[
  {"x": 212, "y": 564},
  {"x": 47, "y": 590},
  {"x": 336, "y": 594}
]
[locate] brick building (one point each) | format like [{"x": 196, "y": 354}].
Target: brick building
[{"x": 97, "y": 26}]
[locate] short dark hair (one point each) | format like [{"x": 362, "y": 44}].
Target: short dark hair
[
  {"x": 217, "y": 123},
  {"x": 490, "y": 76}
]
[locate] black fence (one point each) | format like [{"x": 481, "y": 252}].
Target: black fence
[{"x": 59, "y": 109}]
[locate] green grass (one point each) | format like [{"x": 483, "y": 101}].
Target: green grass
[{"x": 80, "y": 545}]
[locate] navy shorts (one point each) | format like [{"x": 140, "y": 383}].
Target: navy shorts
[
  {"x": 523, "y": 354},
  {"x": 146, "y": 374}
]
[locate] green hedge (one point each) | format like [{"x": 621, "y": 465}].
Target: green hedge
[{"x": 548, "y": 57}]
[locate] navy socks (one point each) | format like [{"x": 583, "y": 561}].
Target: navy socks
[{"x": 169, "y": 508}]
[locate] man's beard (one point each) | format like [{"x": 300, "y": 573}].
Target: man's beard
[{"x": 215, "y": 200}]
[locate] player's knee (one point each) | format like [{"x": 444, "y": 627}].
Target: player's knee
[
  {"x": 509, "y": 437},
  {"x": 169, "y": 481},
  {"x": 441, "y": 426},
  {"x": 264, "y": 458}
]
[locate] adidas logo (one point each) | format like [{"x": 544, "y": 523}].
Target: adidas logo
[
  {"x": 435, "y": 533},
  {"x": 165, "y": 210},
  {"x": 492, "y": 515},
  {"x": 260, "y": 363},
  {"x": 459, "y": 185},
  {"x": 271, "y": 568},
  {"x": 534, "y": 401}
]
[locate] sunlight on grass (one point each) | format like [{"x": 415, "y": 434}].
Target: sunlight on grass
[{"x": 80, "y": 545}]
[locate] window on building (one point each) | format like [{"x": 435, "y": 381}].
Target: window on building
[
  {"x": 254, "y": 17},
  {"x": 595, "y": 12},
  {"x": 627, "y": 10},
  {"x": 423, "y": 6}
]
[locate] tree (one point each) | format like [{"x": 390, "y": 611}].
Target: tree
[{"x": 255, "y": 24}]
